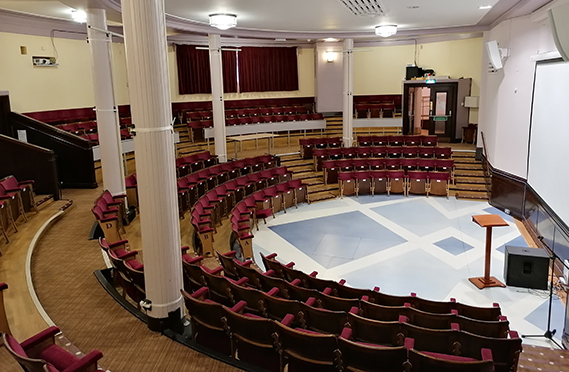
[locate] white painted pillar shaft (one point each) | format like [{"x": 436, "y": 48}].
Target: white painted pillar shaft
[
  {"x": 107, "y": 113},
  {"x": 348, "y": 93},
  {"x": 218, "y": 105},
  {"x": 147, "y": 66}
]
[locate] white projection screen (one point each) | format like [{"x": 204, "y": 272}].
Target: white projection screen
[{"x": 548, "y": 165}]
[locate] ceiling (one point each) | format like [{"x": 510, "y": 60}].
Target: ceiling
[{"x": 298, "y": 19}]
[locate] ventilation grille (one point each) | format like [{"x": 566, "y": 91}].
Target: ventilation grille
[{"x": 364, "y": 8}]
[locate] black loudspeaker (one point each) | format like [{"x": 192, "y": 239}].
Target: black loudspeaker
[
  {"x": 526, "y": 267},
  {"x": 412, "y": 72}
]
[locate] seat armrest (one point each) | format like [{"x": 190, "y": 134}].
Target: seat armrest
[
  {"x": 3, "y": 286},
  {"x": 88, "y": 360},
  {"x": 327, "y": 291},
  {"x": 44, "y": 335},
  {"x": 215, "y": 271},
  {"x": 403, "y": 319},
  {"x": 287, "y": 320},
  {"x": 239, "y": 307},
  {"x": 346, "y": 333},
  {"x": 376, "y": 289},
  {"x": 290, "y": 265},
  {"x": 201, "y": 293},
  {"x": 354, "y": 310},
  {"x": 27, "y": 182},
  {"x": 230, "y": 254},
  {"x": 296, "y": 282},
  {"x": 273, "y": 292},
  {"x": 409, "y": 343},
  {"x": 270, "y": 272},
  {"x": 107, "y": 219},
  {"x": 185, "y": 248},
  {"x": 455, "y": 327},
  {"x": 513, "y": 334},
  {"x": 241, "y": 281},
  {"x": 271, "y": 256},
  {"x": 365, "y": 298},
  {"x": 503, "y": 318},
  {"x": 486, "y": 354},
  {"x": 311, "y": 301},
  {"x": 130, "y": 254}
]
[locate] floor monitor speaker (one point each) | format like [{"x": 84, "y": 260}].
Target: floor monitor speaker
[{"x": 526, "y": 267}]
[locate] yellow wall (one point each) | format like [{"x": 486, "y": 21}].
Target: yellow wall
[
  {"x": 378, "y": 70},
  {"x": 305, "y": 84},
  {"x": 381, "y": 70}
]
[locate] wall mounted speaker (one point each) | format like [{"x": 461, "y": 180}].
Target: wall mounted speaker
[
  {"x": 494, "y": 54},
  {"x": 526, "y": 267},
  {"x": 558, "y": 17}
]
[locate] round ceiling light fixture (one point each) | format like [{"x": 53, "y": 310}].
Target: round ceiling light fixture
[
  {"x": 79, "y": 16},
  {"x": 223, "y": 21},
  {"x": 386, "y": 30}
]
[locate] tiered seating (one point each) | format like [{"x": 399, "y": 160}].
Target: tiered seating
[
  {"x": 195, "y": 185},
  {"x": 88, "y": 129},
  {"x": 313, "y": 335},
  {"x": 234, "y": 196},
  {"x": 307, "y": 145},
  {"x": 262, "y": 204},
  {"x": 110, "y": 213},
  {"x": 394, "y": 181},
  {"x": 16, "y": 198},
  {"x": 397, "y": 140},
  {"x": 41, "y": 353},
  {"x": 194, "y": 162},
  {"x": 392, "y": 152},
  {"x": 197, "y": 120}
]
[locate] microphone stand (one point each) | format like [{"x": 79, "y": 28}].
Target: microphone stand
[{"x": 549, "y": 333}]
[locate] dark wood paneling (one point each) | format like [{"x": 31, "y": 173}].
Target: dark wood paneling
[
  {"x": 29, "y": 162},
  {"x": 508, "y": 193},
  {"x": 76, "y": 168},
  {"x": 5, "y": 115}
]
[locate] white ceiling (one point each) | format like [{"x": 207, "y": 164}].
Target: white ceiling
[{"x": 309, "y": 17}]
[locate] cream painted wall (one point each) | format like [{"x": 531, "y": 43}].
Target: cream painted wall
[
  {"x": 69, "y": 85},
  {"x": 381, "y": 70},
  {"x": 305, "y": 84}
]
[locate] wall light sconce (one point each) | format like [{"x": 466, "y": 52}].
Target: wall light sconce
[
  {"x": 79, "y": 16},
  {"x": 223, "y": 21},
  {"x": 386, "y": 30},
  {"x": 330, "y": 56}
]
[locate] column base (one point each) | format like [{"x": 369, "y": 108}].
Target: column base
[
  {"x": 482, "y": 282},
  {"x": 173, "y": 322}
]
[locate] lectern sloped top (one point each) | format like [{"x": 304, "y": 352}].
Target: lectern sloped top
[{"x": 489, "y": 220}]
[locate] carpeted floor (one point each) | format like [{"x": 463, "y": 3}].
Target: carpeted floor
[{"x": 62, "y": 269}]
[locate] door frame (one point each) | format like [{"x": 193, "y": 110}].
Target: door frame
[{"x": 453, "y": 92}]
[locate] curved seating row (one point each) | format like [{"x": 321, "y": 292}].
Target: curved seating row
[
  {"x": 194, "y": 162},
  {"x": 201, "y": 114},
  {"x": 394, "y": 181},
  {"x": 209, "y": 209},
  {"x": 307, "y": 145},
  {"x": 16, "y": 198},
  {"x": 110, "y": 213},
  {"x": 329, "y": 298},
  {"x": 262, "y": 204},
  {"x": 195, "y": 185},
  {"x": 90, "y": 127},
  {"x": 196, "y": 128},
  {"x": 425, "y": 152},
  {"x": 288, "y": 273},
  {"x": 330, "y": 168},
  {"x": 397, "y": 140},
  {"x": 40, "y": 352},
  {"x": 210, "y": 326}
]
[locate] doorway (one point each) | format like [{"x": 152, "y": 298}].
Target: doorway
[{"x": 429, "y": 109}]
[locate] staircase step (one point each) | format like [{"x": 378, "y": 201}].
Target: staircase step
[
  {"x": 43, "y": 201},
  {"x": 295, "y": 162},
  {"x": 469, "y": 180},
  {"x": 313, "y": 183},
  {"x": 471, "y": 195},
  {"x": 301, "y": 168},
  {"x": 466, "y": 160},
  {"x": 319, "y": 187},
  {"x": 321, "y": 196},
  {"x": 468, "y": 166},
  {"x": 470, "y": 187},
  {"x": 469, "y": 173},
  {"x": 463, "y": 154}
]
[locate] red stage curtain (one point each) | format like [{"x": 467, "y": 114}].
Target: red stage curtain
[
  {"x": 265, "y": 69},
  {"x": 193, "y": 70}
]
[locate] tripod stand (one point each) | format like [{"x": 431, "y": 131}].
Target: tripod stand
[{"x": 549, "y": 333}]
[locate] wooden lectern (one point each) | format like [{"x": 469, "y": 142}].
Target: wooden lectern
[{"x": 488, "y": 221}]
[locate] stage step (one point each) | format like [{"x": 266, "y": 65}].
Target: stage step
[
  {"x": 470, "y": 187},
  {"x": 468, "y": 166},
  {"x": 469, "y": 173},
  {"x": 321, "y": 196}
]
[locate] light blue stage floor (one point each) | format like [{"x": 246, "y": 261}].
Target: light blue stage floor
[{"x": 408, "y": 244}]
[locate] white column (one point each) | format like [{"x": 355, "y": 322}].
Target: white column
[
  {"x": 107, "y": 113},
  {"x": 348, "y": 93},
  {"x": 147, "y": 66},
  {"x": 218, "y": 105}
]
